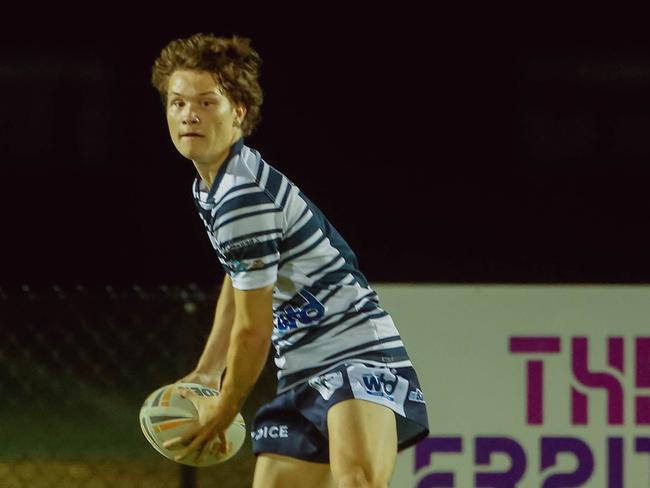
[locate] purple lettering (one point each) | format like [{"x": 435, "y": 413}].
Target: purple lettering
[
  {"x": 423, "y": 453},
  {"x": 642, "y": 444},
  {"x": 616, "y": 353},
  {"x": 552, "y": 446},
  {"x": 485, "y": 447},
  {"x": 615, "y": 463},
  {"x": 535, "y": 393},
  {"x": 534, "y": 345},
  {"x": 643, "y": 379},
  {"x": 579, "y": 407},
  {"x": 594, "y": 380},
  {"x": 535, "y": 372}
]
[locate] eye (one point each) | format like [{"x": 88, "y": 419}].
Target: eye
[
  {"x": 207, "y": 103},
  {"x": 177, "y": 103}
]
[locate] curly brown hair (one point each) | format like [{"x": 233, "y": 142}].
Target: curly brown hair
[{"x": 233, "y": 62}]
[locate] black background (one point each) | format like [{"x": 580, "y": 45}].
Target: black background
[{"x": 447, "y": 144}]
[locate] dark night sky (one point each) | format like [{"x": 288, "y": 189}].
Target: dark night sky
[{"x": 446, "y": 147}]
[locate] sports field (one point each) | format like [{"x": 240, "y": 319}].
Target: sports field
[{"x": 124, "y": 473}]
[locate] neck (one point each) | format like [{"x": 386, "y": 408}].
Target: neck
[{"x": 208, "y": 170}]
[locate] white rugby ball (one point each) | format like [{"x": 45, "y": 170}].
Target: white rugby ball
[{"x": 165, "y": 414}]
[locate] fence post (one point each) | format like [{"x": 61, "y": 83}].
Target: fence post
[
  {"x": 189, "y": 308},
  {"x": 188, "y": 476}
]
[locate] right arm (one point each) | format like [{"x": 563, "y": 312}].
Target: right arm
[{"x": 212, "y": 362}]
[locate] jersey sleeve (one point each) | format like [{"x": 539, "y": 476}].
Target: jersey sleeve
[{"x": 249, "y": 230}]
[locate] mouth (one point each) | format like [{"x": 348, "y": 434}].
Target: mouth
[{"x": 192, "y": 134}]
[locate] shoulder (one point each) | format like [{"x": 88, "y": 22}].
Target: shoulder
[{"x": 268, "y": 179}]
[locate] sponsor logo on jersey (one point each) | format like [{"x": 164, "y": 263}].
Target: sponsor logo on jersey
[
  {"x": 309, "y": 312},
  {"x": 327, "y": 383},
  {"x": 228, "y": 248},
  {"x": 271, "y": 432},
  {"x": 233, "y": 255},
  {"x": 239, "y": 266}
]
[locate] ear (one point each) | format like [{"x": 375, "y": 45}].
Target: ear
[{"x": 240, "y": 114}]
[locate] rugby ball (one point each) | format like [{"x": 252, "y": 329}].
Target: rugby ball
[{"x": 165, "y": 414}]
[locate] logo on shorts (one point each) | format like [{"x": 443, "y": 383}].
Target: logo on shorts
[
  {"x": 327, "y": 383},
  {"x": 416, "y": 396},
  {"x": 379, "y": 385},
  {"x": 270, "y": 432},
  {"x": 382, "y": 385}
]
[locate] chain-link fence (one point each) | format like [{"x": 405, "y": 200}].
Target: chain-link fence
[{"x": 75, "y": 366}]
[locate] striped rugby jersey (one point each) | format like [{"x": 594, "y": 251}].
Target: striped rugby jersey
[{"x": 266, "y": 231}]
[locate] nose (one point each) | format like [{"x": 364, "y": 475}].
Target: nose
[{"x": 190, "y": 117}]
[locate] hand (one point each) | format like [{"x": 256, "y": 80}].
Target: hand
[
  {"x": 206, "y": 436},
  {"x": 212, "y": 380}
]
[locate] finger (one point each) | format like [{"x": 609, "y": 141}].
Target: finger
[
  {"x": 184, "y": 439},
  {"x": 227, "y": 447},
  {"x": 185, "y": 392},
  {"x": 205, "y": 450},
  {"x": 224, "y": 445},
  {"x": 195, "y": 445},
  {"x": 173, "y": 443},
  {"x": 192, "y": 396},
  {"x": 185, "y": 453},
  {"x": 203, "y": 405},
  {"x": 198, "y": 402}
]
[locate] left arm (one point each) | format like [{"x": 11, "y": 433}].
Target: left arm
[
  {"x": 247, "y": 352},
  {"x": 249, "y": 346}
]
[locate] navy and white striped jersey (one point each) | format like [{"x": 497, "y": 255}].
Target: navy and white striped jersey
[{"x": 266, "y": 231}]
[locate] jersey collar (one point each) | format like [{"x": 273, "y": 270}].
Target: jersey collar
[{"x": 235, "y": 149}]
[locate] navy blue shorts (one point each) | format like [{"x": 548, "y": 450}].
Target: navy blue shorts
[{"x": 294, "y": 423}]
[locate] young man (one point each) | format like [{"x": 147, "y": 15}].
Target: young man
[{"x": 347, "y": 396}]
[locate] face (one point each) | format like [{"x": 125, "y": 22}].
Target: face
[{"x": 202, "y": 121}]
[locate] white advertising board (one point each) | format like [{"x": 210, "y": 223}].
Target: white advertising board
[{"x": 528, "y": 386}]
